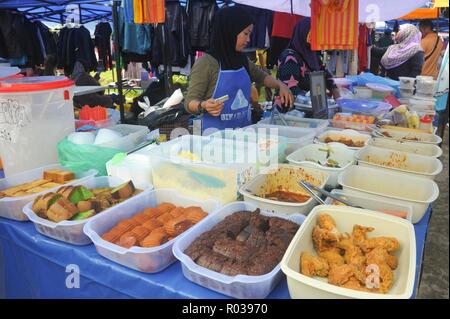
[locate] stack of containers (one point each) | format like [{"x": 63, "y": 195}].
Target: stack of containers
[
  {"x": 406, "y": 86},
  {"x": 426, "y": 86}
]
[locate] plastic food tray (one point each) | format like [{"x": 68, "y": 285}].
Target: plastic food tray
[
  {"x": 339, "y": 153},
  {"x": 284, "y": 177},
  {"x": 410, "y": 164},
  {"x": 294, "y": 121},
  {"x": 303, "y": 287},
  {"x": 240, "y": 286},
  {"x": 11, "y": 207},
  {"x": 411, "y": 137},
  {"x": 152, "y": 259},
  {"x": 409, "y": 147},
  {"x": 418, "y": 192},
  {"x": 72, "y": 231},
  {"x": 371, "y": 204},
  {"x": 348, "y": 134}
]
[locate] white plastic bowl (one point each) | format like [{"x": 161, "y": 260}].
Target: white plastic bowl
[
  {"x": 11, "y": 207},
  {"x": 371, "y": 204},
  {"x": 72, "y": 231},
  {"x": 152, "y": 259},
  {"x": 240, "y": 286},
  {"x": 410, "y": 164},
  {"x": 340, "y": 153},
  {"x": 406, "y": 93},
  {"x": 288, "y": 177},
  {"x": 303, "y": 287},
  {"x": 411, "y": 137},
  {"x": 379, "y": 184},
  {"x": 409, "y": 147},
  {"x": 349, "y": 134},
  {"x": 407, "y": 82}
]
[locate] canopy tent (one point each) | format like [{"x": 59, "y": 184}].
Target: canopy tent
[
  {"x": 369, "y": 10},
  {"x": 57, "y": 10}
]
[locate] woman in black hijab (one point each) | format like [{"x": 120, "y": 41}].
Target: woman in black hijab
[{"x": 225, "y": 70}]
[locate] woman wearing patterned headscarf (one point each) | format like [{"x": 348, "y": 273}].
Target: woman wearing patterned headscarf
[{"x": 405, "y": 57}]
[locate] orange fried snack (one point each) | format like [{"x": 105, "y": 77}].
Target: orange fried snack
[
  {"x": 177, "y": 226},
  {"x": 165, "y": 207},
  {"x": 156, "y": 238},
  {"x": 313, "y": 266}
]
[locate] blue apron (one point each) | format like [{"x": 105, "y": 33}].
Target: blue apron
[{"x": 236, "y": 111}]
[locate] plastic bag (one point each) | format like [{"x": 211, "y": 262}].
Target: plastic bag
[{"x": 80, "y": 158}]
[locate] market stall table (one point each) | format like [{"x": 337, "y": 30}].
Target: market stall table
[
  {"x": 34, "y": 266},
  {"x": 83, "y": 90}
]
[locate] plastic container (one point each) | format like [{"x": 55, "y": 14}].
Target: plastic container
[
  {"x": 294, "y": 121},
  {"x": 379, "y": 184},
  {"x": 135, "y": 167},
  {"x": 362, "y": 92},
  {"x": 364, "y": 107},
  {"x": 426, "y": 123},
  {"x": 411, "y": 137},
  {"x": 285, "y": 178},
  {"x": 407, "y": 82},
  {"x": 268, "y": 144},
  {"x": 132, "y": 136},
  {"x": 149, "y": 260},
  {"x": 380, "y": 91},
  {"x": 113, "y": 119},
  {"x": 214, "y": 171},
  {"x": 422, "y": 104},
  {"x": 406, "y": 93},
  {"x": 355, "y": 122},
  {"x": 424, "y": 78},
  {"x": 352, "y": 135},
  {"x": 371, "y": 204},
  {"x": 342, "y": 83},
  {"x": 37, "y": 113},
  {"x": 240, "y": 286},
  {"x": 407, "y": 163},
  {"x": 338, "y": 152},
  {"x": 296, "y": 137},
  {"x": 11, "y": 207},
  {"x": 409, "y": 147},
  {"x": 72, "y": 231},
  {"x": 303, "y": 287},
  {"x": 426, "y": 87}
]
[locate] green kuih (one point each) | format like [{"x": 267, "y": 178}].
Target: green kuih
[
  {"x": 85, "y": 215},
  {"x": 80, "y": 193}
]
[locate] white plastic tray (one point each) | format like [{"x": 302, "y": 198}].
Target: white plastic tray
[
  {"x": 409, "y": 147},
  {"x": 350, "y": 134},
  {"x": 132, "y": 136},
  {"x": 11, "y": 207},
  {"x": 413, "y": 165},
  {"x": 240, "y": 286},
  {"x": 372, "y": 204},
  {"x": 298, "y": 122},
  {"x": 380, "y": 184},
  {"x": 339, "y": 153},
  {"x": 291, "y": 177},
  {"x": 72, "y": 231},
  {"x": 303, "y": 287},
  {"x": 149, "y": 260},
  {"x": 422, "y": 137}
]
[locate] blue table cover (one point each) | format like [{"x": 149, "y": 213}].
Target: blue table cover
[{"x": 34, "y": 266}]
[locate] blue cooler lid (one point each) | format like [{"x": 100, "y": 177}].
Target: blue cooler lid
[{"x": 357, "y": 105}]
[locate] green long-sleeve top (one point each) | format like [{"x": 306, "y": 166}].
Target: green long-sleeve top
[{"x": 203, "y": 78}]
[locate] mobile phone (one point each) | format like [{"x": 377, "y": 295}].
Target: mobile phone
[{"x": 223, "y": 98}]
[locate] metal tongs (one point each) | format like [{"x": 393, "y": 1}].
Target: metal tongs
[
  {"x": 311, "y": 188},
  {"x": 276, "y": 112}
]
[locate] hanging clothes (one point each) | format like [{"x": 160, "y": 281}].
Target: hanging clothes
[
  {"x": 262, "y": 26},
  {"x": 128, "y": 10},
  {"x": 102, "y": 34},
  {"x": 134, "y": 38},
  {"x": 334, "y": 26},
  {"x": 149, "y": 11},
  {"x": 174, "y": 34},
  {"x": 200, "y": 18},
  {"x": 284, "y": 24},
  {"x": 363, "y": 42}
]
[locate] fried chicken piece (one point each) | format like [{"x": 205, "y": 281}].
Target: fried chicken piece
[
  {"x": 359, "y": 234},
  {"x": 332, "y": 256},
  {"x": 339, "y": 275},
  {"x": 326, "y": 222},
  {"x": 353, "y": 254},
  {"x": 380, "y": 256},
  {"x": 388, "y": 243},
  {"x": 313, "y": 266},
  {"x": 382, "y": 277},
  {"x": 355, "y": 284}
]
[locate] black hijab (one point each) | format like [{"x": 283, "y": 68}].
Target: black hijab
[
  {"x": 228, "y": 23},
  {"x": 299, "y": 43}
]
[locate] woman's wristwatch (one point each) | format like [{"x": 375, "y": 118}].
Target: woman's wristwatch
[{"x": 200, "y": 109}]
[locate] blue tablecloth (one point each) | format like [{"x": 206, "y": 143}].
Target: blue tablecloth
[{"x": 34, "y": 266}]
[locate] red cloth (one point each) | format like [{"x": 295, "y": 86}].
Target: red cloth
[
  {"x": 363, "y": 61},
  {"x": 284, "y": 24}
]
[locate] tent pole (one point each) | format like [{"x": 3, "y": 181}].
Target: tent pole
[{"x": 118, "y": 60}]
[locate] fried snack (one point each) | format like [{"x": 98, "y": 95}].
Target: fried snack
[
  {"x": 127, "y": 240},
  {"x": 127, "y": 224},
  {"x": 61, "y": 210},
  {"x": 389, "y": 243},
  {"x": 177, "y": 226},
  {"x": 353, "y": 254},
  {"x": 313, "y": 266},
  {"x": 156, "y": 238},
  {"x": 333, "y": 257},
  {"x": 123, "y": 191},
  {"x": 152, "y": 224},
  {"x": 176, "y": 212},
  {"x": 355, "y": 284},
  {"x": 164, "y": 218},
  {"x": 152, "y": 212},
  {"x": 113, "y": 235},
  {"x": 325, "y": 233},
  {"x": 59, "y": 176},
  {"x": 359, "y": 234},
  {"x": 141, "y": 218},
  {"x": 140, "y": 233},
  {"x": 339, "y": 275},
  {"x": 165, "y": 208},
  {"x": 195, "y": 216},
  {"x": 380, "y": 256},
  {"x": 42, "y": 203}
]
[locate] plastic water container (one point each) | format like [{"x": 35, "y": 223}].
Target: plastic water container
[
  {"x": 35, "y": 114},
  {"x": 152, "y": 259},
  {"x": 364, "y": 107},
  {"x": 380, "y": 91},
  {"x": 11, "y": 207},
  {"x": 71, "y": 231},
  {"x": 240, "y": 286}
]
